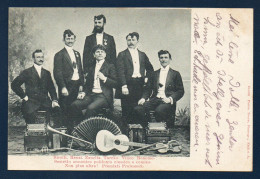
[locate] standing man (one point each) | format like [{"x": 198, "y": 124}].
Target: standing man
[
  {"x": 68, "y": 73},
  {"x": 38, "y": 83},
  {"x": 131, "y": 65},
  {"x": 166, "y": 88},
  {"x": 98, "y": 90},
  {"x": 98, "y": 36}
]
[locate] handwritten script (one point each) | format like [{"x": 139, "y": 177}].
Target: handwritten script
[{"x": 216, "y": 87}]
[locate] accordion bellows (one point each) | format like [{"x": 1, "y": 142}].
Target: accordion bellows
[{"x": 89, "y": 128}]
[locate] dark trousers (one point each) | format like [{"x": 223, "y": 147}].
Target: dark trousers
[
  {"x": 30, "y": 118},
  {"x": 66, "y": 101},
  {"x": 164, "y": 112},
  {"x": 128, "y": 102},
  {"x": 91, "y": 103}
]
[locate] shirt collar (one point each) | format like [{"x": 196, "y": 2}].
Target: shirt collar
[
  {"x": 166, "y": 68},
  {"x": 100, "y": 62},
  {"x": 99, "y": 34},
  {"x": 132, "y": 50},
  {"x": 68, "y": 48},
  {"x": 38, "y": 67}
]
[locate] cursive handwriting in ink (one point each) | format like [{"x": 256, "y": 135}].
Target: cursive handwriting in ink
[
  {"x": 232, "y": 46},
  {"x": 232, "y": 22},
  {"x": 196, "y": 27},
  {"x": 231, "y": 127},
  {"x": 234, "y": 101},
  {"x": 220, "y": 92},
  {"x": 207, "y": 157},
  {"x": 219, "y": 139},
  {"x": 196, "y": 131}
]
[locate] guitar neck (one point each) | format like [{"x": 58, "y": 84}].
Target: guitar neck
[{"x": 134, "y": 144}]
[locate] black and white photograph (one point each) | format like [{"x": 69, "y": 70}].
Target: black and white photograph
[
  {"x": 99, "y": 81},
  {"x": 130, "y": 89}
]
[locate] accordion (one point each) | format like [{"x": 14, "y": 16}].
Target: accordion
[
  {"x": 36, "y": 135},
  {"x": 136, "y": 133},
  {"x": 157, "y": 132}
]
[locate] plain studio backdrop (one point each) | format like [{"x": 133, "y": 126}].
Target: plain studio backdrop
[{"x": 159, "y": 29}]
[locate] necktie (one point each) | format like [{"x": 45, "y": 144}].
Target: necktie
[{"x": 74, "y": 65}]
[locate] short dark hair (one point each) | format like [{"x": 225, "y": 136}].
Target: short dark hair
[
  {"x": 100, "y": 47},
  {"x": 36, "y": 51},
  {"x": 164, "y": 52},
  {"x": 132, "y": 35},
  {"x": 98, "y": 17},
  {"x": 69, "y": 32}
]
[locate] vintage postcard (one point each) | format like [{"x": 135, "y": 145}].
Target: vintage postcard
[{"x": 130, "y": 89}]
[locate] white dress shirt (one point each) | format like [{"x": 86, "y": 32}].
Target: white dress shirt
[
  {"x": 162, "y": 80},
  {"x": 136, "y": 64},
  {"x": 38, "y": 69},
  {"x": 71, "y": 53},
  {"x": 99, "y": 38},
  {"x": 96, "y": 85}
]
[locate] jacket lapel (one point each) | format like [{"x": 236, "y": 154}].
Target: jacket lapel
[
  {"x": 157, "y": 76},
  {"x": 35, "y": 73},
  {"x": 105, "y": 39},
  {"x": 67, "y": 57},
  {"x": 103, "y": 67},
  {"x": 129, "y": 58},
  {"x": 77, "y": 58},
  {"x": 168, "y": 78},
  {"x": 94, "y": 40}
]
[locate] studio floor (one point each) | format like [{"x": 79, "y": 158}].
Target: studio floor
[{"x": 16, "y": 143}]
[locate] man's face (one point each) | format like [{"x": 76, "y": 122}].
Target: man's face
[
  {"x": 69, "y": 40},
  {"x": 164, "y": 59},
  {"x": 132, "y": 42},
  {"x": 99, "y": 25},
  {"x": 100, "y": 54},
  {"x": 38, "y": 58}
]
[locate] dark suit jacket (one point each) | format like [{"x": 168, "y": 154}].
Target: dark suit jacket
[
  {"x": 107, "y": 88},
  {"x": 173, "y": 85},
  {"x": 36, "y": 89},
  {"x": 90, "y": 42},
  {"x": 125, "y": 68},
  {"x": 63, "y": 68}
]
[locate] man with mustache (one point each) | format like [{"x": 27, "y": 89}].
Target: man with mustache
[
  {"x": 98, "y": 90},
  {"x": 166, "y": 88},
  {"x": 131, "y": 66},
  {"x": 68, "y": 73},
  {"x": 98, "y": 36},
  {"x": 38, "y": 83}
]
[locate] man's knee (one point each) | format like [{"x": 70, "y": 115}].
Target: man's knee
[
  {"x": 139, "y": 109},
  {"x": 162, "y": 110}
]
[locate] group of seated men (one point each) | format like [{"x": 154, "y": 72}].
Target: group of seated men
[{"x": 90, "y": 87}]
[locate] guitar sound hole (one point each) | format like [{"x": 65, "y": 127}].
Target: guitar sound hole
[{"x": 117, "y": 142}]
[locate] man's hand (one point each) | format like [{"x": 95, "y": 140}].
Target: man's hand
[
  {"x": 80, "y": 88},
  {"x": 64, "y": 91},
  {"x": 25, "y": 98},
  {"x": 125, "y": 91},
  {"x": 166, "y": 100},
  {"x": 101, "y": 76},
  {"x": 141, "y": 101},
  {"x": 81, "y": 95},
  {"x": 55, "y": 104}
]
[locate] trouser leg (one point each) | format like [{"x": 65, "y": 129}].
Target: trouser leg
[
  {"x": 142, "y": 111},
  {"x": 99, "y": 101},
  {"x": 163, "y": 113}
]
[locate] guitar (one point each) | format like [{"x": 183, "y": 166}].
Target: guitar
[{"x": 106, "y": 141}]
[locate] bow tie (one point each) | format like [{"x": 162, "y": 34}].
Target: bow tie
[{"x": 74, "y": 65}]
